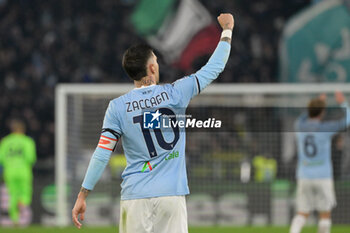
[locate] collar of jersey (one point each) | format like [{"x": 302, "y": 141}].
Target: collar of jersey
[
  {"x": 314, "y": 120},
  {"x": 144, "y": 86}
]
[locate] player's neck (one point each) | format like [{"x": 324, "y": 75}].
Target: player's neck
[
  {"x": 315, "y": 118},
  {"x": 145, "y": 81},
  {"x": 17, "y": 132}
]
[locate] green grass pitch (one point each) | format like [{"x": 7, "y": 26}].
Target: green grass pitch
[{"x": 38, "y": 229}]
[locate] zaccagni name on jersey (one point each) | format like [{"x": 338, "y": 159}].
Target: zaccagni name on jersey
[{"x": 147, "y": 102}]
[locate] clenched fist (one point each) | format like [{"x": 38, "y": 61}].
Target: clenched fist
[{"x": 226, "y": 21}]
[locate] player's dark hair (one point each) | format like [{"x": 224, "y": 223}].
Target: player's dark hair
[
  {"x": 135, "y": 61},
  {"x": 316, "y": 107}
]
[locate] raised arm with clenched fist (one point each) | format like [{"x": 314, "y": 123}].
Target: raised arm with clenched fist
[{"x": 227, "y": 23}]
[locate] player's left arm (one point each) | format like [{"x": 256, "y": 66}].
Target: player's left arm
[
  {"x": 218, "y": 59},
  {"x": 110, "y": 135}
]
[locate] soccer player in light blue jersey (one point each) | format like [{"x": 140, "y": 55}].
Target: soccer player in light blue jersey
[
  {"x": 315, "y": 188},
  {"x": 155, "y": 180}
]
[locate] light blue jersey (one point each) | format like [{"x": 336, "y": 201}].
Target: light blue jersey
[
  {"x": 156, "y": 164},
  {"x": 314, "y": 139}
]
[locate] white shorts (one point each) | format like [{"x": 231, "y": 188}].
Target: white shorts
[
  {"x": 315, "y": 194},
  {"x": 154, "y": 215}
]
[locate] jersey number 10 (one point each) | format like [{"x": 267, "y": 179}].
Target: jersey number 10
[{"x": 158, "y": 133}]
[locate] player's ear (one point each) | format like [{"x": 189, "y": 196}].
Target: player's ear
[{"x": 152, "y": 68}]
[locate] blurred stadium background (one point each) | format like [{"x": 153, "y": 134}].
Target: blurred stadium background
[{"x": 243, "y": 175}]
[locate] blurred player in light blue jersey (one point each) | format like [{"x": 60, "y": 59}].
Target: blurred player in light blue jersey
[
  {"x": 155, "y": 180},
  {"x": 315, "y": 188}
]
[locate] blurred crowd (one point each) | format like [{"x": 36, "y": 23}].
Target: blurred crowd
[{"x": 43, "y": 43}]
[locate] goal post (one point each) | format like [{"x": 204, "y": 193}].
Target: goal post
[{"x": 79, "y": 105}]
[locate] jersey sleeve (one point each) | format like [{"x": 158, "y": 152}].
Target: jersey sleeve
[
  {"x": 215, "y": 65},
  {"x": 187, "y": 87},
  {"x": 111, "y": 132},
  {"x": 334, "y": 127},
  {"x": 111, "y": 123}
]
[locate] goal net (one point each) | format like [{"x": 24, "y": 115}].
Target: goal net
[{"x": 242, "y": 173}]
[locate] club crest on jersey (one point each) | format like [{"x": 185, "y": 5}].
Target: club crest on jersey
[{"x": 151, "y": 120}]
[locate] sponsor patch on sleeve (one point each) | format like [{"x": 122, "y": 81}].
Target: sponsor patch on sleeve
[{"x": 107, "y": 143}]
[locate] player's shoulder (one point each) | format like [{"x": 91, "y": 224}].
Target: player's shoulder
[
  {"x": 16, "y": 137},
  {"x": 183, "y": 79},
  {"x": 185, "y": 82},
  {"x": 167, "y": 86},
  {"x": 116, "y": 100},
  {"x": 119, "y": 100},
  {"x": 301, "y": 121},
  {"x": 6, "y": 139},
  {"x": 26, "y": 138},
  {"x": 29, "y": 139},
  {"x": 11, "y": 137}
]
